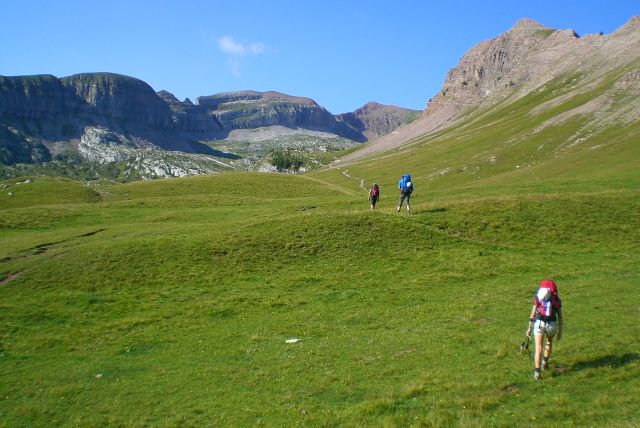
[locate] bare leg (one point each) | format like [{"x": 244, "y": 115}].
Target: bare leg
[
  {"x": 408, "y": 209},
  {"x": 538, "y": 354},
  {"x": 547, "y": 352}
]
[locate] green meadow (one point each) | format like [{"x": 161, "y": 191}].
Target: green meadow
[{"x": 170, "y": 303}]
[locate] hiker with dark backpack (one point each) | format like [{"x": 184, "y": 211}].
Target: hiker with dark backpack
[
  {"x": 545, "y": 320},
  {"x": 374, "y": 195},
  {"x": 406, "y": 188}
]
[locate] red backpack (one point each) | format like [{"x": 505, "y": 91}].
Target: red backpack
[
  {"x": 546, "y": 310},
  {"x": 547, "y": 283},
  {"x": 374, "y": 191}
]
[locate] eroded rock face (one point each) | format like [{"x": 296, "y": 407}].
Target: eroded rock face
[
  {"x": 33, "y": 97},
  {"x": 82, "y": 96},
  {"x": 120, "y": 97},
  {"x": 528, "y": 55}
]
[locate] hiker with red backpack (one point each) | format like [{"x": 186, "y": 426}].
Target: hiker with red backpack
[
  {"x": 374, "y": 195},
  {"x": 406, "y": 188},
  {"x": 545, "y": 320}
]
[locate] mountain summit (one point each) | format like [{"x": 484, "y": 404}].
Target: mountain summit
[{"x": 527, "y": 24}]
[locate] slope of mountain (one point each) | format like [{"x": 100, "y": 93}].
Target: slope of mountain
[{"x": 525, "y": 59}]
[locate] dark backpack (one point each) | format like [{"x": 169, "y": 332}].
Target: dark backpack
[
  {"x": 375, "y": 190},
  {"x": 408, "y": 187}
]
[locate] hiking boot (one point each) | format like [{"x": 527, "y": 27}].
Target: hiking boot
[
  {"x": 545, "y": 364},
  {"x": 536, "y": 374}
]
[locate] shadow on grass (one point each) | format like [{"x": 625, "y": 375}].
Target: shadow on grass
[{"x": 613, "y": 361}]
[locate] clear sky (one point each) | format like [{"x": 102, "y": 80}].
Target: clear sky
[{"x": 340, "y": 53}]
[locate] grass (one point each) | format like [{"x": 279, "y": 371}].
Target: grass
[
  {"x": 170, "y": 302},
  {"x": 176, "y": 310}
]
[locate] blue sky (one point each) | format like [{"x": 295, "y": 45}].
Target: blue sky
[{"x": 340, "y": 53}]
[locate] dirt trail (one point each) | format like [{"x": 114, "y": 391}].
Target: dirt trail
[
  {"x": 346, "y": 174},
  {"x": 332, "y": 186}
]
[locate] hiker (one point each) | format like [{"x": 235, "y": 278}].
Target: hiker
[
  {"x": 545, "y": 321},
  {"x": 406, "y": 187},
  {"x": 374, "y": 195}
]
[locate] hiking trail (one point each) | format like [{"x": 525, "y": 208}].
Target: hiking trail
[{"x": 346, "y": 174}]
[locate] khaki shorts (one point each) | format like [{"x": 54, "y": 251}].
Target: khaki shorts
[{"x": 547, "y": 328}]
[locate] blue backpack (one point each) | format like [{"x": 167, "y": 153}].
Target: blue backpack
[{"x": 405, "y": 185}]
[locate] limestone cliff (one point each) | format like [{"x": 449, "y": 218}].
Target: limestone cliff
[{"x": 119, "y": 97}]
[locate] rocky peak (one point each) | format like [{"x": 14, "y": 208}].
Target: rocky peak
[
  {"x": 167, "y": 96},
  {"x": 521, "y": 59},
  {"x": 632, "y": 25},
  {"x": 370, "y": 106},
  {"x": 527, "y": 24},
  {"x": 374, "y": 120}
]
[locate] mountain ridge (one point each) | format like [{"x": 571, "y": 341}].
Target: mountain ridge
[{"x": 43, "y": 116}]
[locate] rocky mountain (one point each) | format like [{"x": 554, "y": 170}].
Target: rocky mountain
[
  {"x": 256, "y": 110},
  {"x": 44, "y": 117},
  {"x": 374, "y": 120},
  {"x": 522, "y": 61}
]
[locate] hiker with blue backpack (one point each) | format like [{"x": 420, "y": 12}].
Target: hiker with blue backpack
[
  {"x": 406, "y": 188},
  {"x": 545, "y": 320}
]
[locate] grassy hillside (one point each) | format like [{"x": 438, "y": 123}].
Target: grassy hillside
[
  {"x": 542, "y": 142},
  {"x": 170, "y": 302}
]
